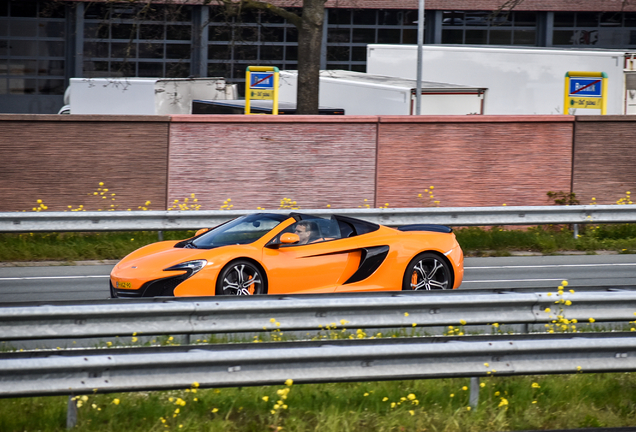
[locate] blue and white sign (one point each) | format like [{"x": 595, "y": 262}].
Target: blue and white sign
[
  {"x": 262, "y": 80},
  {"x": 585, "y": 87}
]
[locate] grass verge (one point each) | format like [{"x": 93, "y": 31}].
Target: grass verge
[
  {"x": 505, "y": 403},
  {"x": 548, "y": 239}
]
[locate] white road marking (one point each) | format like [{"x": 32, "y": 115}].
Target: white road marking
[
  {"x": 51, "y": 277},
  {"x": 510, "y": 280},
  {"x": 549, "y": 266}
]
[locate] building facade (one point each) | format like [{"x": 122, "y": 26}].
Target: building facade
[{"x": 44, "y": 43}]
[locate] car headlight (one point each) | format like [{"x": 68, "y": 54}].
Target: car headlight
[{"x": 191, "y": 267}]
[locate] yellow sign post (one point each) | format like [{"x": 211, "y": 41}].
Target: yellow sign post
[
  {"x": 261, "y": 82},
  {"x": 585, "y": 90}
]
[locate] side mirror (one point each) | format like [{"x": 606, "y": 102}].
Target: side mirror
[
  {"x": 201, "y": 231},
  {"x": 289, "y": 238},
  {"x": 285, "y": 239}
]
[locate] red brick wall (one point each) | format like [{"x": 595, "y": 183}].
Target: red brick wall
[
  {"x": 604, "y": 158},
  {"x": 474, "y": 160},
  {"x": 62, "y": 159},
  {"x": 258, "y": 160}
]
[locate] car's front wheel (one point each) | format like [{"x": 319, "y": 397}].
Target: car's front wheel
[
  {"x": 241, "y": 277},
  {"x": 427, "y": 271}
]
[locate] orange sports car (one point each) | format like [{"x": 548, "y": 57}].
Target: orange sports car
[{"x": 270, "y": 253}]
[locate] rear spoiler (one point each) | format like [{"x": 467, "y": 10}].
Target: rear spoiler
[{"x": 426, "y": 227}]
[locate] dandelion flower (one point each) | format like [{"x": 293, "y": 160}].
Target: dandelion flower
[
  {"x": 411, "y": 396},
  {"x": 486, "y": 364},
  {"x": 366, "y": 394},
  {"x": 411, "y": 412},
  {"x": 116, "y": 401},
  {"x": 215, "y": 410},
  {"x": 535, "y": 385},
  {"x": 265, "y": 398},
  {"x": 568, "y": 303},
  {"x": 289, "y": 382},
  {"x": 467, "y": 408},
  {"x": 592, "y": 320},
  {"x": 452, "y": 395},
  {"x": 504, "y": 402},
  {"x": 547, "y": 310},
  {"x": 564, "y": 283},
  {"x": 406, "y": 314},
  {"x": 482, "y": 385},
  {"x": 464, "y": 388},
  {"x": 462, "y": 322}
]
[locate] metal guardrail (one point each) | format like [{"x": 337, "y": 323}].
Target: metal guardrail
[
  {"x": 452, "y": 216},
  {"x": 288, "y": 313},
  {"x": 307, "y": 362}
]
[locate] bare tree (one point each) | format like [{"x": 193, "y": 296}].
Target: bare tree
[{"x": 309, "y": 24}]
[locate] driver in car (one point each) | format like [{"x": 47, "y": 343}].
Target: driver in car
[{"x": 307, "y": 231}]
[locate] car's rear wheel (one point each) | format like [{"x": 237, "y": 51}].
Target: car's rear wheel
[
  {"x": 241, "y": 277},
  {"x": 427, "y": 271}
]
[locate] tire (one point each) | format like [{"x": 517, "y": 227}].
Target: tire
[
  {"x": 241, "y": 277},
  {"x": 427, "y": 271}
]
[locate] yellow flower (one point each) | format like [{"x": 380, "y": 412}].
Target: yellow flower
[
  {"x": 547, "y": 310},
  {"x": 592, "y": 320},
  {"x": 564, "y": 283},
  {"x": 462, "y": 322},
  {"x": 503, "y": 402},
  {"x": 265, "y": 398},
  {"x": 289, "y": 382},
  {"x": 467, "y": 408},
  {"x": 406, "y": 314},
  {"x": 482, "y": 385},
  {"x": 412, "y": 412},
  {"x": 568, "y": 303},
  {"x": 411, "y": 396},
  {"x": 384, "y": 399},
  {"x": 497, "y": 393},
  {"x": 116, "y": 401},
  {"x": 535, "y": 385},
  {"x": 452, "y": 395},
  {"x": 392, "y": 404},
  {"x": 214, "y": 410},
  {"x": 366, "y": 394},
  {"x": 495, "y": 325},
  {"x": 486, "y": 364},
  {"x": 464, "y": 388}
]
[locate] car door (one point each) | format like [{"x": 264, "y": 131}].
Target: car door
[{"x": 310, "y": 268}]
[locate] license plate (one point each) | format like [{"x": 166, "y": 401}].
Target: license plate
[{"x": 124, "y": 285}]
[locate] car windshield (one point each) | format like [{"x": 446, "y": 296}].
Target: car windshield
[{"x": 242, "y": 230}]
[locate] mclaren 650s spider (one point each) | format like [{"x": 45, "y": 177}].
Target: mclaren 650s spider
[{"x": 270, "y": 253}]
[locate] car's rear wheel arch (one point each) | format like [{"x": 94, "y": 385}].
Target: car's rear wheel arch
[
  {"x": 236, "y": 261},
  {"x": 438, "y": 255}
]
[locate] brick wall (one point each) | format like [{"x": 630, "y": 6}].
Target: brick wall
[
  {"x": 62, "y": 159},
  {"x": 257, "y": 161},
  {"x": 604, "y": 158},
  {"x": 317, "y": 161},
  {"x": 473, "y": 160}
]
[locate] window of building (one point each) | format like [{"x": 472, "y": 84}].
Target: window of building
[
  {"x": 489, "y": 28},
  {"x": 122, "y": 40},
  {"x": 594, "y": 29},
  {"x": 32, "y": 50}
]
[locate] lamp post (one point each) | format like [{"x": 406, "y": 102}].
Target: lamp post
[{"x": 420, "y": 42}]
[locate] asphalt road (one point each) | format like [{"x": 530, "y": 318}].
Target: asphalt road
[{"x": 90, "y": 282}]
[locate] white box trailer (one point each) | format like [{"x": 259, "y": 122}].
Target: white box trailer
[
  {"x": 365, "y": 94},
  {"x": 519, "y": 80},
  {"x": 142, "y": 96}
]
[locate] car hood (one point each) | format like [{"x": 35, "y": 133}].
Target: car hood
[{"x": 158, "y": 257}]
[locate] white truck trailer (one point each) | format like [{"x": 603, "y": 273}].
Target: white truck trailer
[
  {"x": 519, "y": 80},
  {"x": 142, "y": 96},
  {"x": 365, "y": 94}
]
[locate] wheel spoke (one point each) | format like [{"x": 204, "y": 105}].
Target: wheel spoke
[{"x": 439, "y": 285}]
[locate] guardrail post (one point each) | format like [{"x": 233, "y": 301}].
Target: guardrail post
[
  {"x": 160, "y": 235},
  {"x": 576, "y": 231},
  {"x": 71, "y": 413},
  {"x": 474, "y": 392}
]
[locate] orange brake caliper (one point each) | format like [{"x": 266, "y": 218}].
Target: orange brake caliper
[
  {"x": 251, "y": 287},
  {"x": 414, "y": 280}
]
